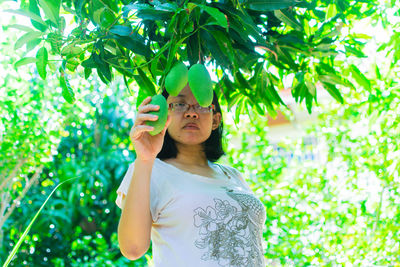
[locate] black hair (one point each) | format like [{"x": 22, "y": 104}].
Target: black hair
[{"x": 213, "y": 147}]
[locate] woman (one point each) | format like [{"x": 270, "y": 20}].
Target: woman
[{"x": 196, "y": 212}]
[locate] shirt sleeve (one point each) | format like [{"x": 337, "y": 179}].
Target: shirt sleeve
[
  {"x": 155, "y": 197},
  {"x": 122, "y": 190}
]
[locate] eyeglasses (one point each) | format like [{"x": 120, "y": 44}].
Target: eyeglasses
[{"x": 183, "y": 107}]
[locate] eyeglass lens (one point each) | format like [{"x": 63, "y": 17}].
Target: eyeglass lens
[{"x": 183, "y": 107}]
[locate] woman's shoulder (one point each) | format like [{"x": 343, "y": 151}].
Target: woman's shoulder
[
  {"x": 156, "y": 165},
  {"x": 236, "y": 174},
  {"x": 232, "y": 170}
]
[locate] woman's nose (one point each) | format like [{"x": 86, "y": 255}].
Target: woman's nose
[{"x": 191, "y": 113}]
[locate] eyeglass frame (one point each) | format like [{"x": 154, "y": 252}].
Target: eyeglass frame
[{"x": 191, "y": 105}]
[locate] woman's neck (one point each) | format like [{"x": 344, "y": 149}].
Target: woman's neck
[{"x": 191, "y": 155}]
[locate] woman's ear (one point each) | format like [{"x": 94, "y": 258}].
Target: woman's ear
[{"x": 216, "y": 120}]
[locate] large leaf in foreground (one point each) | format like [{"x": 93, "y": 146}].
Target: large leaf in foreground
[{"x": 269, "y": 5}]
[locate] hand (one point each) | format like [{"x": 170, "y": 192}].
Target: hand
[{"x": 147, "y": 146}]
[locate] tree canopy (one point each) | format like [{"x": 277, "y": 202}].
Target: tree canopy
[
  {"x": 251, "y": 46},
  {"x": 340, "y": 210}
]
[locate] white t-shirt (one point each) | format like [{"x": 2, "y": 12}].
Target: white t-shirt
[{"x": 200, "y": 221}]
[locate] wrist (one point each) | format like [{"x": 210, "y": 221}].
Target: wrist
[{"x": 145, "y": 161}]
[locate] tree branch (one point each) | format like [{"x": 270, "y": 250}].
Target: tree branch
[
  {"x": 34, "y": 178},
  {"x": 13, "y": 173}
]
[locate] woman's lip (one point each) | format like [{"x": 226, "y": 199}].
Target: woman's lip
[{"x": 191, "y": 127}]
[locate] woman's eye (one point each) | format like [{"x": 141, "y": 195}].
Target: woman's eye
[{"x": 180, "y": 104}]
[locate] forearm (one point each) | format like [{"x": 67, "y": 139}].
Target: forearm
[{"x": 135, "y": 223}]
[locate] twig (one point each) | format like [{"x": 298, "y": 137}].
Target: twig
[
  {"x": 12, "y": 175},
  {"x": 34, "y": 178},
  {"x": 266, "y": 48}
]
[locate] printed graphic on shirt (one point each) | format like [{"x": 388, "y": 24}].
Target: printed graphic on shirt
[{"x": 231, "y": 236}]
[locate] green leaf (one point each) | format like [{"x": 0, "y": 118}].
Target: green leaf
[
  {"x": 238, "y": 109},
  {"x": 354, "y": 51},
  {"x": 333, "y": 91},
  {"x": 97, "y": 15},
  {"x": 21, "y": 27},
  {"x": 253, "y": 104},
  {"x": 285, "y": 57},
  {"x": 89, "y": 63},
  {"x": 138, "y": 6},
  {"x": 377, "y": 72},
  {"x": 173, "y": 7},
  {"x": 331, "y": 11},
  {"x": 171, "y": 56},
  {"x": 215, "y": 49},
  {"x": 269, "y": 92},
  {"x": 25, "y": 233},
  {"x": 311, "y": 88},
  {"x": 156, "y": 66},
  {"x": 24, "y": 61},
  {"x": 104, "y": 72},
  {"x": 360, "y": 78},
  {"x": 72, "y": 64},
  {"x": 248, "y": 26},
  {"x": 32, "y": 44},
  {"x": 67, "y": 91},
  {"x": 107, "y": 18},
  {"x": 232, "y": 98},
  {"x": 51, "y": 9},
  {"x": 145, "y": 83},
  {"x": 191, "y": 6},
  {"x": 269, "y": 5},
  {"x": 309, "y": 99},
  {"x": 224, "y": 43},
  {"x": 33, "y": 7},
  {"x": 142, "y": 95},
  {"x": 29, "y": 14},
  {"x": 286, "y": 17},
  {"x": 193, "y": 47},
  {"x": 273, "y": 95},
  {"x": 29, "y": 36},
  {"x": 216, "y": 14},
  {"x": 87, "y": 71},
  {"x": 121, "y": 30},
  {"x": 244, "y": 84},
  {"x": 55, "y": 41},
  {"x": 361, "y": 36},
  {"x": 41, "y": 62},
  {"x": 135, "y": 43},
  {"x": 334, "y": 79},
  {"x": 71, "y": 50},
  {"x": 152, "y": 14}
]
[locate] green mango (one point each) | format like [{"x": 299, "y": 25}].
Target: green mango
[
  {"x": 176, "y": 79},
  {"x": 162, "y": 114},
  {"x": 201, "y": 85}
]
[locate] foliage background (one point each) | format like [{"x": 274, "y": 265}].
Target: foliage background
[{"x": 342, "y": 209}]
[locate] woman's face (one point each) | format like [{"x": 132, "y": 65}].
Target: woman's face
[{"x": 204, "y": 122}]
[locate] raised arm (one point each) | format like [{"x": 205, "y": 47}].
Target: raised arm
[{"x": 134, "y": 227}]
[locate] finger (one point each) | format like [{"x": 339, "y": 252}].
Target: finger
[
  {"x": 147, "y": 108},
  {"x": 145, "y": 101},
  {"x": 141, "y": 118},
  {"x": 136, "y": 131}
]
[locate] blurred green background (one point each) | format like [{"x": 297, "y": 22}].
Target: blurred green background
[{"x": 331, "y": 201}]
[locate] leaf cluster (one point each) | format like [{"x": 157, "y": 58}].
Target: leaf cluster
[{"x": 251, "y": 45}]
